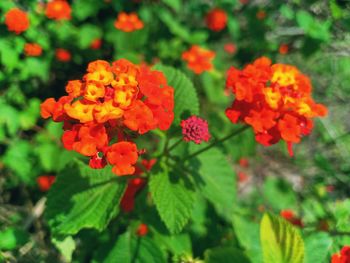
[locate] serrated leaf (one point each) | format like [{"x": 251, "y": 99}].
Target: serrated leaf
[
  {"x": 186, "y": 100},
  {"x": 223, "y": 254},
  {"x": 217, "y": 181},
  {"x": 83, "y": 197},
  {"x": 317, "y": 247},
  {"x": 281, "y": 242},
  {"x": 172, "y": 199},
  {"x": 131, "y": 249}
]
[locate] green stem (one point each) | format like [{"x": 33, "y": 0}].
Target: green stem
[
  {"x": 174, "y": 145},
  {"x": 214, "y": 143}
]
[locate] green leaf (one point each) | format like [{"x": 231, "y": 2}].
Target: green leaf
[
  {"x": 11, "y": 238},
  {"x": 82, "y": 9},
  {"x": 248, "y": 236},
  {"x": 217, "y": 181},
  {"x": 223, "y": 254},
  {"x": 9, "y": 118},
  {"x": 83, "y": 197},
  {"x": 66, "y": 246},
  {"x": 186, "y": 100},
  {"x": 173, "y": 200},
  {"x": 87, "y": 34},
  {"x": 131, "y": 249},
  {"x": 279, "y": 193},
  {"x": 174, "y": 4},
  {"x": 317, "y": 247},
  {"x": 281, "y": 242},
  {"x": 19, "y": 152}
]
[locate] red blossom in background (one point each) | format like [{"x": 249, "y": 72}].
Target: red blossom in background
[
  {"x": 96, "y": 44},
  {"x": 58, "y": 10},
  {"x": 63, "y": 55},
  {"x": 45, "y": 181},
  {"x": 142, "y": 230},
  {"x": 216, "y": 19},
  {"x": 32, "y": 49},
  {"x": 128, "y": 22},
  {"x": 198, "y": 59},
  {"x": 230, "y": 48},
  {"x": 283, "y": 49},
  {"x": 195, "y": 129},
  {"x": 17, "y": 20},
  {"x": 290, "y": 216}
]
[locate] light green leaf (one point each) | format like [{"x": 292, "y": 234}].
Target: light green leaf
[
  {"x": 317, "y": 247},
  {"x": 186, "y": 100},
  {"x": 217, "y": 181},
  {"x": 66, "y": 246},
  {"x": 172, "y": 199},
  {"x": 224, "y": 255},
  {"x": 281, "y": 242},
  {"x": 83, "y": 197}
]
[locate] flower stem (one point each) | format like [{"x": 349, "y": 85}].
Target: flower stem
[
  {"x": 234, "y": 133},
  {"x": 174, "y": 145}
]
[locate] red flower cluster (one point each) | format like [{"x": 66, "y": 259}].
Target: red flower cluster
[
  {"x": 291, "y": 217},
  {"x": 32, "y": 49},
  {"x": 199, "y": 59},
  {"x": 128, "y": 22},
  {"x": 195, "y": 129},
  {"x": 216, "y": 19},
  {"x": 135, "y": 185},
  {"x": 58, "y": 10},
  {"x": 63, "y": 55},
  {"x": 16, "y": 20},
  {"x": 45, "y": 182},
  {"x": 343, "y": 256},
  {"x": 108, "y": 103},
  {"x": 275, "y": 100}
]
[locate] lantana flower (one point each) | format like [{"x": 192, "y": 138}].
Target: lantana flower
[
  {"x": 17, "y": 20},
  {"x": 58, "y": 10},
  {"x": 108, "y": 104},
  {"x": 128, "y": 22},
  {"x": 198, "y": 59},
  {"x": 275, "y": 100},
  {"x": 216, "y": 19}
]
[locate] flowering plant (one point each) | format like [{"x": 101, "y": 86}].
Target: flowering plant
[{"x": 174, "y": 131}]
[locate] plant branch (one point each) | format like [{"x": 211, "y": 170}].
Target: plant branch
[{"x": 234, "y": 133}]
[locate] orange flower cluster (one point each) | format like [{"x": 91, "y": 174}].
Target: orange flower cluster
[
  {"x": 63, "y": 55},
  {"x": 128, "y": 22},
  {"x": 216, "y": 19},
  {"x": 45, "y": 181},
  {"x": 198, "y": 59},
  {"x": 32, "y": 49},
  {"x": 16, "y": 20},
  {"x": 107, "y": 105},
  {"x": 58, "y": 10},
  {"x": 275, "y": 100}
]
